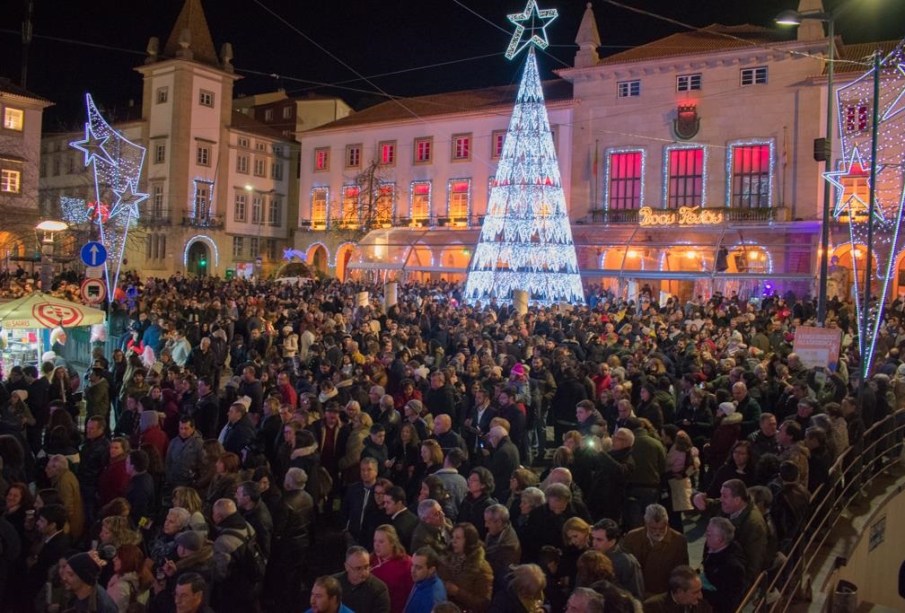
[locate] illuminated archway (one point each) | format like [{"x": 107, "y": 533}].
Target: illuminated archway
[
  {"x": 317, "y": 257},
  {"x": 344, "y": 255},
  {"x": 213, "y": 249}
]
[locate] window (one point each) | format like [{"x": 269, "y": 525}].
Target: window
[
  {"x": 242, "y": 164},
  {"x": 750, "y": 176},
  {"x": 461, "y": 147},
  {"x": 421, "y": 200},
  {"x": 10, "y": 181},
  {"x": 287, "y": 112},
  {"x": 261, "y": 146},
  {"x": 349, "y": 211},
  {"x": 275, "y": 211},
  {"x": 70, "y": 165},
  {"x": 685, "y": 179},
  {"x": 624, "y": 180},
  {"x": 322, "y": 158},
  {"x": 206, "y": 98},
  {"x": 459, "y": 197},
  {"x": 243, "y": 142},
  {"x": 386, "y": 197},
  {"x": 497, "y": 138},
  {"x": 271, "y": 249},
  {"x": 855, "y": 194},
  {"x": 157, "y": 210},
  {"x": 257, "y": 213},
  {"x": 353, "y": 156},
  {"x": 319, "y": 207},
  {"x": 42, "y": 169},
  {"x": 238, "y": 246},
  {"x": 203, "y": 156},
  {"x": 260, "y": 168},
  {"x": 240, "y": 208},
  {"x": 163, "y": 93},
  {"x": 423, "y": 147},
  {"x": 202, "y": 200},
  {"x": 160, "y": 153},
  {"x": 387, "y": 153},
  {"x": 268, "y": 115},
  {"x": 276, "y": 171},
  {"x": 754, "y": 76},
  {"x": 277, "y": 150},
  {"x": 688, "y": 82},
  {"x": 628, "y": 89},
  {"x": 254, "y": 249},
  {"x": 56, "y": 166},
  {"x": 856, "y": 118},
  {"x": 13, "y": 119}
]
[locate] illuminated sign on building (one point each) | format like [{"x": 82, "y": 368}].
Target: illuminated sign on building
[{"x": 683, "y": 216}]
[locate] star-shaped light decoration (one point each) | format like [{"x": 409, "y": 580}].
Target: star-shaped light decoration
[
  {"x": 128, "y": 197},
  {"x": 537, "y": 21},
  {"x": 92, "y": 146},
  {"x": 851, "y": 205}
]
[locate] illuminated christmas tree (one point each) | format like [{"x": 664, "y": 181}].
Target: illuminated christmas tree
[{"x": 526, "y": 241}]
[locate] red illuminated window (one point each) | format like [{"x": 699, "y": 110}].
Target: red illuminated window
[
  {"x": 459, "y": 193},
  {"x": 686, "y": 178},
  {"x": 750, "y": 176},
  {"x": 856, "y": 118},
  {"x": 423, "y": 147},
  {"x": 421, "y": 200},
  {"x": 387, "y": 152},
  {"x": 624, "y": 181},
  {"x": 497, "y": 139},
  {"x": 322, "y": 158}
]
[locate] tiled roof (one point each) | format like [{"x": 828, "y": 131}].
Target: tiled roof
[
  {"x": 856, "y": 58},
  {"x": 715, "y": 37},
  {"x": 192, "y": 18},
  {"x": 11, "y": 88},
  {"x": 241, "y": 121},
  {"x": 448, "y": 103}
]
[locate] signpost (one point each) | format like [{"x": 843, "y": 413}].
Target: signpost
[
  {"x": 93, "y": 253},
  {"x": 94, "y": 291}
]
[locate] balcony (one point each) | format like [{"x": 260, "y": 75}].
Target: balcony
[
  {"x": 213, "y": 222},
  {"x": 473, "y": 221},
  {"x": 730, "y": 215}
]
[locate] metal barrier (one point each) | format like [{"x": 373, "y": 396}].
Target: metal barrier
[{"x": 853, "y": 470}]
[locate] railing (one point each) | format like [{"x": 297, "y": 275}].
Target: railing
[
  {"x": 730, "y": 214},
  {"x": 853, "y": 470},
  {"x": 472, "y": 221},
  {"x": 201, "y": 221}
]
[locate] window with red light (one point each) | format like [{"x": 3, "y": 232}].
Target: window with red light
[
  {"x": 387, "y": 151},
  {"x": 855, "y": 195},
  {"x": 459, "y": 193},
  {"x": 624, "y": 189},
  {"x": 421, "y": 200},
  {"x": 461, "y": 144},
  {"x": 686, "y": 178},
  {"x": 856, "y": 118},
  {"x": 750, "y": 176},
  {"x": 423, "y": 148},
  {"x": 496, "y": 143},
  {"x": 322, "y": 158},
  {"x": 350, "y": 204}
]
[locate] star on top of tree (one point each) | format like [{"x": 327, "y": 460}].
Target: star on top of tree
[
  {"x": 534, "y": 21},
  {"x": 92, "y": 146}
]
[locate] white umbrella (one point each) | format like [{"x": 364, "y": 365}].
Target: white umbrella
[{"x": 41, "y": 310}]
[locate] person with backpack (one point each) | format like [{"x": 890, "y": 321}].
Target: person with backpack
[{"x": 239, "y": 563}]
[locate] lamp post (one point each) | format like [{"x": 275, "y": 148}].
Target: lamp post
[
  {"x": 48, "y": 228},
  {"x": 794, "y": 18}
]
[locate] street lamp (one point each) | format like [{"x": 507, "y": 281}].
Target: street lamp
[
  {"x": 49, "y": 228},
  {"x": 794, "y": 18}
]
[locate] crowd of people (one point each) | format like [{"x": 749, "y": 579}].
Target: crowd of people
[{"x": 240, "y": 432}]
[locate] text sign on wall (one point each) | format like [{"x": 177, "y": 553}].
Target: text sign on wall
[
  {"x": 683, "y": 216},
  {"x": 817, "y": 347}
]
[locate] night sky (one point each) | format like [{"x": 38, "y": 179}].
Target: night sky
[{"x": 430, "y": 45}]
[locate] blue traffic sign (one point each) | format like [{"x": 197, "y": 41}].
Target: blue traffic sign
[{"x": 93, "y": 254}]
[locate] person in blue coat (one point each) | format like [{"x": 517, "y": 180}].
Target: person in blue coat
[{"x": 428, "y": 589}]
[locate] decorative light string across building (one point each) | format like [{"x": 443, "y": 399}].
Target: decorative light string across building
[{"x": 683, "y": 216}]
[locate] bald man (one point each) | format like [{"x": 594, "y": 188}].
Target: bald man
[{"x": 446, "y": 436}]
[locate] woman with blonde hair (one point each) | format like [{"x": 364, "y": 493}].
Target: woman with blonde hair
[
  {"x": 392, "y": 565},
  {"x": 465, "y": 570},
  {"x": 524, "y": 592},
  {"x": 115, "y": 530},
  {"x": 187, "y": 498},
  {"x": 349, "y": 463}
]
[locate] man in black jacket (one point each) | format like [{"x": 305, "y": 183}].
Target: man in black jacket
[
  {"x": 140, "y": 491},
  {"x": 54, "y": 545},
  {"x": 503, "y": 461},
  {"x": 361, "y": 591},
  {"x": 239, "y": 431},
  {"x": 401, "y": 518},
  {"x": 95, "y": 454},
  {"x": 207, "y": 409},
  {"x": 256, "y": 513},
  {"x": 359, "y": 508},
  {"x": 724, "y": 566}
]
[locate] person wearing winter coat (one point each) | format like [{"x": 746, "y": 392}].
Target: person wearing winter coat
[
  {"x": 428, "y": 589},
  {"x": 465, "y": 572},
  {"x": 724, "y": 567},
  {"x": 184, "y": 455}
]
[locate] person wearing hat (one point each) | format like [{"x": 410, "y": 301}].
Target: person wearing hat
[
  {"x": 194, "y": 556},
  {"x": 79, "y": 575},
  {"x": 414, "y": 411}
]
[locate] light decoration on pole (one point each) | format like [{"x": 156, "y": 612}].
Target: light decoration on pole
[
  {"x": 116, "y": 166},
  {"x": 884, "y": 239},
  {"x": 526, "y": 240}
]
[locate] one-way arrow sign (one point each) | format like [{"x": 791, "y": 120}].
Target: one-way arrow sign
[{"x": 93, "y": 254}]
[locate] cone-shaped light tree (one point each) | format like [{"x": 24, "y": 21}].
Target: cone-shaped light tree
[{"x": 526, "y": 240}]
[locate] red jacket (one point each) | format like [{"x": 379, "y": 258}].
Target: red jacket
[
  {"x": 113, "y": 481},
  {"x": 157, "y": 438},
  {"x": 397, "y": 574}
]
